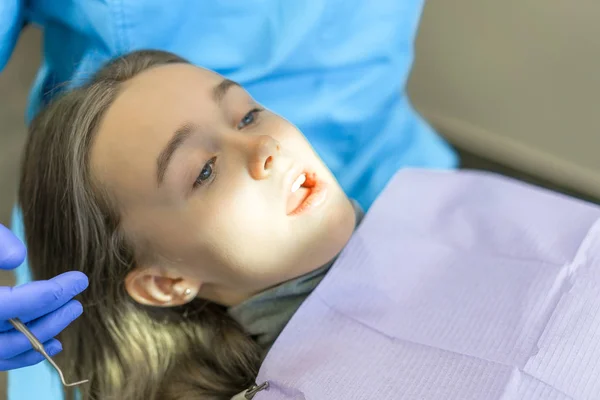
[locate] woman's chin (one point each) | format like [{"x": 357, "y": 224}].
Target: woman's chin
[{"x": 339, "y": 228}]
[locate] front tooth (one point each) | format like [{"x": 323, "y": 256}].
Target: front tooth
[{"x": 298, "y": 182}]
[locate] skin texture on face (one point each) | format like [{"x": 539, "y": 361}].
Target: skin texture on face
[{"x": 214, "y": 218}]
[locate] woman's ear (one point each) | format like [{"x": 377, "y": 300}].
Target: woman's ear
[{"x": 154, "y": 286}]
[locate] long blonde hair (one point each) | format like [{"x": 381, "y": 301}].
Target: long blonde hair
[{"x": 127, "y": 351}]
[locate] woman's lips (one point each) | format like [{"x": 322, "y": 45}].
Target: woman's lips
[
  {"x": 309, "y": 196},
  {"x": 296, "y": 199}
]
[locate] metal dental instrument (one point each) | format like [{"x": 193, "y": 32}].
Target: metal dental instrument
[{"x": 39, "y": 347}]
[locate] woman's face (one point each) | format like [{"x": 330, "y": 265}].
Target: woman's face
[{"x": 206, "y": 182}]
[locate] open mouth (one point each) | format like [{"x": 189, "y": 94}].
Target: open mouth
[{"x": 306, "y": 192}]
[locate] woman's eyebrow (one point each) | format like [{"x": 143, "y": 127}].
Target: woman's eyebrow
[
  {"x": 165, "y": 156},
  {"x": 221, "y": 89},
  {"x": 183, "y": 132}
]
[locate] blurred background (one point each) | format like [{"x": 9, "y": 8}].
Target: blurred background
[
  {"x": 15, "y": 82},
  {"x": 513, "y": 85}
]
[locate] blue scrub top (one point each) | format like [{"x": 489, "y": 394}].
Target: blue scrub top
[{"x": 337, "y": 69}]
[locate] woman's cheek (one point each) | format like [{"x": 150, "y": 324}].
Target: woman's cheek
[{"x": 235, "y": 201}]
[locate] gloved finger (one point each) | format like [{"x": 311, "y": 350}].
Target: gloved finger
[
  {"x": 13, "y": 343},
  {"x": 12, "y": 250},
  {"x": 34, "y": 299},
  {"x": 31, "y": 357}
]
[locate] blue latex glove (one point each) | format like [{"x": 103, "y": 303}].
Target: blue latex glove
[{"x": 45, "y": 306}]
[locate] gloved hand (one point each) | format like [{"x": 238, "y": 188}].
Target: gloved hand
[{"x": 45, "y": 306}]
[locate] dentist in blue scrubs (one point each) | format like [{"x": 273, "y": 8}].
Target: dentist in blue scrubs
[{"x": 335, "y": 68}]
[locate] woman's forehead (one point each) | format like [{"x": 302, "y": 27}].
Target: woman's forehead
[
  {"x": 171, "y": 79},
  {"x": 143, "y": 118},
  {"x": 161, "y": 99}
]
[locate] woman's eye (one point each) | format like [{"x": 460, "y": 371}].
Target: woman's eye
[
  {"x": 206, "y": 173},
  {"x": 249, "y": 118}
]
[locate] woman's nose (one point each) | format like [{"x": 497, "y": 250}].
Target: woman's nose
[{"x": 265, "y": 154}]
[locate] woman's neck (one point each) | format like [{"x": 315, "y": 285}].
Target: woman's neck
[{"x": 264, "y": 315}]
